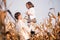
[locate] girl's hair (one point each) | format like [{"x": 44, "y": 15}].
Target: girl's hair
[
  {"x": 17, "y": 14},
  {"x": 29, "y": 3}
]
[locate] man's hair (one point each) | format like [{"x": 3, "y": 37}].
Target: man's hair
[
  {"x": 29, "y": 3},
  {"x": 17, "y": 14}
]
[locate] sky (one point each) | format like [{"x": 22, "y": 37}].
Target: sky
[{"x": 41, "y": 7}]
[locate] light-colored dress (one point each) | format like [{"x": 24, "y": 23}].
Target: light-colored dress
[{"x": 32, "y": 12}]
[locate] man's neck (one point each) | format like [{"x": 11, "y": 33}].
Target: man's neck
[{"x": 19, "y": 19}]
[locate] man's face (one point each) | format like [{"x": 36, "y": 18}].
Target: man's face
[{"x": 20, "y": 17}]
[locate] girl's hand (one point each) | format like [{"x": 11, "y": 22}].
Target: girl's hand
[{"x": 28, "y": 13}]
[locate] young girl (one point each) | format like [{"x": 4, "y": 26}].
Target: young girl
[
  {"x": 30, "y": 12},
  {"x": 31, "y": 16}
]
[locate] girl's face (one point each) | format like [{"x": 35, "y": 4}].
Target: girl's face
[{"x": 27, "y": 6}]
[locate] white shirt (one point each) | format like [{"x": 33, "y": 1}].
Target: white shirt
[
  {"x": 22, "y": 29},
  {"x": 32, "y": 12}
]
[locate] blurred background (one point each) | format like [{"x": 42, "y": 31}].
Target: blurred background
[{"x": 41, "y": 7}]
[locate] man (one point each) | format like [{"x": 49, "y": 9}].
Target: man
[{"x": 21, "y": 28}]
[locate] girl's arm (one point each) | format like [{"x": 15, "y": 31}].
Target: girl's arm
[{"x": 27, "y": 13}]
